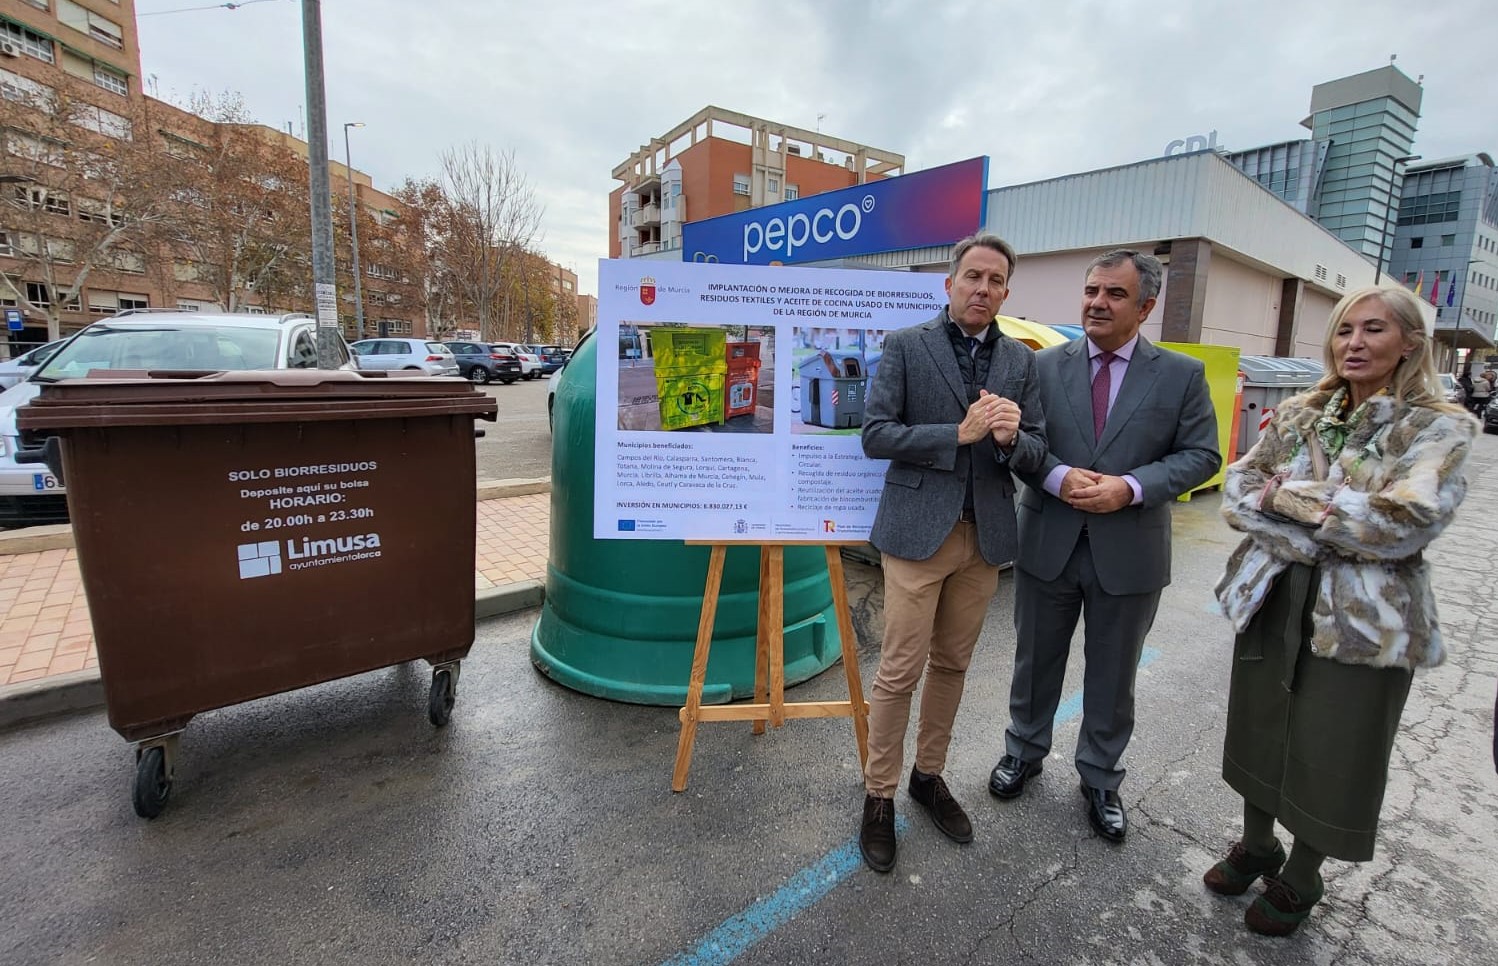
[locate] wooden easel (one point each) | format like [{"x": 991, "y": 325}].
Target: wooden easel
[{"x": 769, "y": 664}]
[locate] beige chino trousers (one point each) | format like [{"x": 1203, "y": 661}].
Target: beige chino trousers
[{"x": 933, "y": 612}]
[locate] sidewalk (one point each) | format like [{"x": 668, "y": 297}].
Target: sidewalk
[{"x": 44, "y": 623}]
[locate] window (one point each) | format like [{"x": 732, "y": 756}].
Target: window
[
  {"x": 303, "y": 353},
  {"x": 254, "y": 310},
  {"x": 374, "y": 270},
  {"x": 98, "y": 211},
  {"x": 1448, "y": 240},
  {"x": 131, "y": 263},
  {"x": 30, "y": 43},
  {"x": 773, "y": 185},
  {"x": 184, "y": 149},
  {"x": 37, "y": 294},
  {"x": 103, "y": 303},
  {"x": 1417, "y": 242},
  {"x": 189, "y": 306},
  {"x": 84, "y": 21},
  {"x": 111, "y": 80},
  {"x": 741, "y": 184},
  {"x": 132, "y": 301},
  {"x": 185, "y": 271},
  {"x": 792, "y": 192},
  {"x": 5, "y": 246}
]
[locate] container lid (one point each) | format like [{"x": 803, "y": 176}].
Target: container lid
[
  {"x": 1279, "y": 371},
  {"x": 176, "y": 398}
]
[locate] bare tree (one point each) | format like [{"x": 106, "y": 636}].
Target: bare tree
[
  {"x": 491, "y": 217},
  {"x": 84, "y": 191},
  {"x": 241, "y": 220}
]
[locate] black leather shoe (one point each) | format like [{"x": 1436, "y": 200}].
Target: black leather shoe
[
  {"x": 1009, "y": 776},
  {"x": 1105, "y": 812},
  {"x": 932, "y": 792},
  {"x": 876, "y": 838}
]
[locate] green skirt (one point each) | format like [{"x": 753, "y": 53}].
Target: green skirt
[{"x": 1308, "y": 738}]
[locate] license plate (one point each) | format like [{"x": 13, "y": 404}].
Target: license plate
[{"x": 45, "y": 481}]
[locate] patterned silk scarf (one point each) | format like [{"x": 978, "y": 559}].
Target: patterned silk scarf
[{"x": 1333, "y": 425}]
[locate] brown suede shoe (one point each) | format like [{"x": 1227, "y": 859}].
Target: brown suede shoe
[
  {"x": 932, "y": 792},
  {"x": 876, "y": 837},
  {"x": 1281, "y": 910},
  {"x": 1234, "y": 874}
]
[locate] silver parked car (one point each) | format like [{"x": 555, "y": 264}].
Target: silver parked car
[
  {"x": 14, "y": 370},
  {"x": 156, "y": 341},
  {"x": 406, "y": 355}
]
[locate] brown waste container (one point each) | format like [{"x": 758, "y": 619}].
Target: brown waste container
[{"x": 240, "y": 535}]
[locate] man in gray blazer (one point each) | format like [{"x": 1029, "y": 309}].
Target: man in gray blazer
[
  {"x": 1130, "y": 427},
  {"x": 954, "y": 408}
]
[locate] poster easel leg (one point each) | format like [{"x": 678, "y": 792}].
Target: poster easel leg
[
  {"x": 850, "y": 653},
  {"x": 699, "y": 668}
]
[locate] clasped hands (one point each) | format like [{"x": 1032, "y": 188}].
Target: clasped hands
[
  {"x": 990, "y": 415},
  {"x": 1094, "y": 492}
]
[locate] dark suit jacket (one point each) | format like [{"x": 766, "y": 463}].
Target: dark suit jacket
[
  {"x": 1162, "y": 430},
  {"x": 914, "y": 405}
]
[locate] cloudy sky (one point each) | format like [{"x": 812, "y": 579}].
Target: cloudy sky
[{"x": 1044, "y": 89}]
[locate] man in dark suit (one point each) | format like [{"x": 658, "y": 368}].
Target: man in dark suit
[
  {"x": 1130, "y": 427},
  {"x": 954, "y": 409}
]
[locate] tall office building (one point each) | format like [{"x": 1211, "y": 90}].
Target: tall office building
[
  {"x": 1347, "y": 174},
  {"x": 1447, "y": 237},
  {"x": 718, "y": 162},
  {"x": 1368, "y": 122}
]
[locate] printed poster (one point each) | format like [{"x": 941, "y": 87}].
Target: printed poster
[{"x": 730, "y": 398}]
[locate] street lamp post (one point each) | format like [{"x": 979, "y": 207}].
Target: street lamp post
[
  {"x": 1383, "y": 239},
  {"x": 353, "y": 225}
]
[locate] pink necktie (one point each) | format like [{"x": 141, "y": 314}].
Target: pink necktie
[{"x": 1101, "y": 384}]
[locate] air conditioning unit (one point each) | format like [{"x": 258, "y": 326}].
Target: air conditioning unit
[{"x": 9, "y": 49}]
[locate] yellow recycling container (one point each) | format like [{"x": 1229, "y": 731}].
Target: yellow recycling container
[
  {"x": 1222, "y": 382},
  {"x": 691, "y": 366}
]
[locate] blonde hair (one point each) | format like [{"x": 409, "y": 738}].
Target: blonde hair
[{"x": 1415, "y": 379}]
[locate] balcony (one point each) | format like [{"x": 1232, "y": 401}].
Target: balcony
[
  {"x": 648, "y": 248},
  {"x": 648, "y": 215}
]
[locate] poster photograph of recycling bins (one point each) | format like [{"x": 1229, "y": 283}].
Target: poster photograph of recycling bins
[{"x": 732, "y": 407}]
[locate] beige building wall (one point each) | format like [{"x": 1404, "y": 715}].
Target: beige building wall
[
  {"x": 1315, "y": 313},
  {"x": 1048, "y": 288},
  {"x": 1242, "y": 307}
]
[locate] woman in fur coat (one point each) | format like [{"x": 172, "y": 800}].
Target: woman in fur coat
[{"x": 1330, "y": 597}]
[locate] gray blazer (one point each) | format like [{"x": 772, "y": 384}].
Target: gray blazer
[
  {"x": 914, "y": 405},
  {"x": 1162, "y": 430}
]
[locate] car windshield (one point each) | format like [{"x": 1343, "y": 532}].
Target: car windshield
[
  {"x": 162, "y": 347},
  {"x": 437, "y": 348}
]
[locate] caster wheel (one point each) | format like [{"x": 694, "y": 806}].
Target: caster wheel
[
  {"x": 152, "y": 786},
  {"x": 443, "y": 694}
]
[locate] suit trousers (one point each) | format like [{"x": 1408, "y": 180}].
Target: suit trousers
[
  {"x": 933, "y": 611},
  {"x": 1115, "y": 626}
]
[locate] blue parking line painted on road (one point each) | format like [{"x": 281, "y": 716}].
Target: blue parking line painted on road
[
  {"x": 803, "y": 890},
  {"x": 806, "y": 888}
]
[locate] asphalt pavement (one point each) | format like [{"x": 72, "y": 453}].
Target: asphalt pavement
[
  {"x": 336, "y": 825},
  {"x": 517, "y": 445}
]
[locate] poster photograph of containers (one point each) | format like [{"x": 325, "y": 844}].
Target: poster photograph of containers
[{"x": 732, "y": 406}]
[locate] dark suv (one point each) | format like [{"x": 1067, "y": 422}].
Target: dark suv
[{"x": 480, "y": 362}]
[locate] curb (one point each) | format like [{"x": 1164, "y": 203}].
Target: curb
[
  {"x": 60, "y": 536},
  {"x": 84, "y": 690}
]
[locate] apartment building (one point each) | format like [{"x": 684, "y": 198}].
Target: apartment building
[
  {"x": 717, "y": 162},
  {"x": 587, "y": 316},
  {"x": 90, "y": 49}
]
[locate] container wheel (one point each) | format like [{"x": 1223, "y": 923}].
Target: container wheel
[
  {"x": 443, "y": 694},
  {"x": 152, "y": 786}
]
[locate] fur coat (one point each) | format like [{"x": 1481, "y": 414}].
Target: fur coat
[{"x": 1390, "y": 492}]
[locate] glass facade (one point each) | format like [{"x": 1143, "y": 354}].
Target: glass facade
[{"x": 1358, "y": 197}]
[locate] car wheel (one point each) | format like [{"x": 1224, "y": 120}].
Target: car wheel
[{"x": 479, "y": 376}]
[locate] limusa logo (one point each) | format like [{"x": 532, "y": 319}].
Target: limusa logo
[
  {"x": 264, "y": 559},
  {"x": 647, "y": 290}
]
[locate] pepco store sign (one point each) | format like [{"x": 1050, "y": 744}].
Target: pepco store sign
[{"x": 935, "y": 207}]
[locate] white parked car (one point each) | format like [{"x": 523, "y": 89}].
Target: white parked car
[
  {"x": 155, "y": 341},
  {"x": 14, "y": 370},
  {"x": 408, "y": 356},
  {"x": 531, "y": 366}
]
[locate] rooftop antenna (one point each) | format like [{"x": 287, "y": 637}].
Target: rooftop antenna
[
  {"x": 1392, "y": 57},
  {"x": 819, "y": 122}
]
